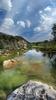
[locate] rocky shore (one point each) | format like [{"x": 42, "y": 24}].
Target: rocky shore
[{"x": 33, "y": 90}]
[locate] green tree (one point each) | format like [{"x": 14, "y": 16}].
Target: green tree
[{"x": 54, "y": 32}]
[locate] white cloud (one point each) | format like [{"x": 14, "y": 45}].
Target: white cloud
[
  {"x": 24, "y": 24},
  {"x": 7, "y": 24},
  {"x": 21, "y": 23},
  {"x": 40, "y": 11},
  {"x": 37, "y": 29},
  {"x": 5, "y": 4},
  {"x": 28, "y": 23},
  {"x": 47, "y": 8},
  {"x": 47, "y": 19}
]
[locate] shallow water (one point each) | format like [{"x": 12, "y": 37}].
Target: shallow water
[
  {"x": 32, "y": 65},
  {"x": 37, "y": 65}
]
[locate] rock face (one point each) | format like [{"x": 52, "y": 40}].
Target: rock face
[
  {"x": 12, "y": 42},
  {"x": 33, "y": 90}
]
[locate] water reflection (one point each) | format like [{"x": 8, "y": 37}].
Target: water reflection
[
  {"x": 53, "y": 69},
  {"x": 33, "y": 55},
  {"x": 42, "y": 65},
  {"x": 52, "y": 60}
]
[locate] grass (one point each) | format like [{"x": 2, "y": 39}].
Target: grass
[
  {"x": 47, "y": 47},
  {"x": 9, "y": 80},
  {"x": 13, "y": 78},
  {"x": 2, "y": 95}
]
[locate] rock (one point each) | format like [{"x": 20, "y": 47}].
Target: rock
[
  {"x": 7, "y": 64},
  {"x": 33, "y": 90}
]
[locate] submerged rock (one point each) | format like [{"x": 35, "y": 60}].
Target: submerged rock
[
  {"x": 11, "y": 63},
  {"x": 33, "y": 90}
]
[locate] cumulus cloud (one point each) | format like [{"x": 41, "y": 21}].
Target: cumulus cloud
[
  {"x": 7, "y": 24},
  {"x": 24, "y": 24},
  {"x": 48, "y": 9},
  {"x": 47, "y": 19},
  {"x": 5, "y": 4},
  {"x": 36, "y": 29},
  {"x": 21, "y": 23}
]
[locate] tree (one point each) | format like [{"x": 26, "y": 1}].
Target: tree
[
  {"x": 45, "y": 41},
  {"x": 54, "y": 32}
]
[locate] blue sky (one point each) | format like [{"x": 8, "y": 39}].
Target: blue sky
[{"x": 32, "y": 19}]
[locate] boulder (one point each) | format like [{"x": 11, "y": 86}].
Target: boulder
[
  {"x": 33, "y": 90},
  {"x": 7, "y": 64}
]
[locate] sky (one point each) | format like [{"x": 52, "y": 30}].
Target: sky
[{"x": 31, "y": 19}]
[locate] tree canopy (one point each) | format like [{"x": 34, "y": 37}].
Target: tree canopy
[{"x": 54, "y": 32}]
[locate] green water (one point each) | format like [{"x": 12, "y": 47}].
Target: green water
[{"x": 33, "y": 65}]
